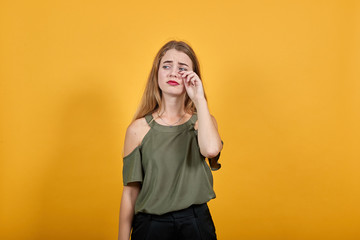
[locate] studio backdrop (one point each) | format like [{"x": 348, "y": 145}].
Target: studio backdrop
[{"x": 282, "y": 80}]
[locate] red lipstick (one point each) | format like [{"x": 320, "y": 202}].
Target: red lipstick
[{"x": 172, "y": 83}]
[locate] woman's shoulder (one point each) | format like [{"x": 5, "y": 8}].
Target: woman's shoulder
[
  {"x": 137, "y": 125},
  {"x": 135, "y": 132}
]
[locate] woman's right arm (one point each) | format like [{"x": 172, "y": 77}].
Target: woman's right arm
[
  {"x": 132, "y": 189},
  {"x": 127, "y": 206}
]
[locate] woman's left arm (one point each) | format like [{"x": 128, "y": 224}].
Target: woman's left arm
[{"x": 208, "y": 135}]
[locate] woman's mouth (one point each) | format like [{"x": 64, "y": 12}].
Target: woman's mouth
[{"x": 172, "y": 83}]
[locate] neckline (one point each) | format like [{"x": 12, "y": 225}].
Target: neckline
[{"x": 175, "y": 128}]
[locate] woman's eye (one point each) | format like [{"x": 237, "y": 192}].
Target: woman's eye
[
  {"x": 165, "y": 67},
  {"x": 183, "y": 69}
]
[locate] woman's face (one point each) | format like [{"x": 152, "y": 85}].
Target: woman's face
[{"x": 169, "y": 79}]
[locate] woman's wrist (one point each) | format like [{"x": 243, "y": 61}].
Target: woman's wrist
[{"x": 199, "y": 102}]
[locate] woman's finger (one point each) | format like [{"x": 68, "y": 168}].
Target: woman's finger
[
  {"x": 186, "y": 73},
  {"x": 191, "y": 76}
]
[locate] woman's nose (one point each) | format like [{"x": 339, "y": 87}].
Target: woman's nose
[{"x": 175, "y": 72}]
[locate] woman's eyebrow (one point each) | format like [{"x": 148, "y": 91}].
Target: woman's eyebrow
[{"x": 180, "y": 63}]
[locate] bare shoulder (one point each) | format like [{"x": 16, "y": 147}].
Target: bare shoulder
[
  {"x": 134, "y": 135},
  {"x": 213, "y": 119}
]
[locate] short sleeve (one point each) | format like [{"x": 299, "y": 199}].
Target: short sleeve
[
  {"x": 213, "y": 162},
  {"x": 132, "y": 168}
]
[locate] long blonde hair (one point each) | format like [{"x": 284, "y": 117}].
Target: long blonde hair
[{"x": 151, "y": 99}]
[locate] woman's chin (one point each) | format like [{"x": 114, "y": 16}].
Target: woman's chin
[{"x": 174, "y": 93}]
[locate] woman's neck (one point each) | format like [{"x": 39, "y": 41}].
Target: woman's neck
[{"x": 172, "y": 107}]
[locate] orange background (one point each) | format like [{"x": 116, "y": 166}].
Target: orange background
[{"x": 282, "y": 79}]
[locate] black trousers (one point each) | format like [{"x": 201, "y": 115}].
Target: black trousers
[{"x": 192, "y": 223}]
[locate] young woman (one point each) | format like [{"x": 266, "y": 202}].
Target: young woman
[{"x": 167, "y": 182}]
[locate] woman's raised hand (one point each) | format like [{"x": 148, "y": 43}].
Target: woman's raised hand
[{"x": 193, "y": 85}]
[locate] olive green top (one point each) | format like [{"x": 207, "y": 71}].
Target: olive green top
[{"x": 168, "y": 163}]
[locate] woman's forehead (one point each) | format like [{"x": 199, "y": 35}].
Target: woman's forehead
[{"x": 176, "y": 56}]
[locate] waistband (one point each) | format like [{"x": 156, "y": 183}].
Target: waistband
[{"x": 193, "y": 210}]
